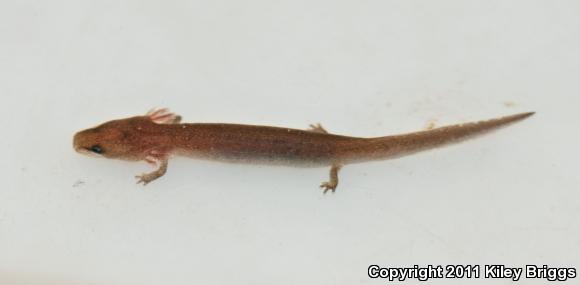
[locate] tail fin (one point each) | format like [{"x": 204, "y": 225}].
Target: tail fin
[{"x": 398, "y": 145}]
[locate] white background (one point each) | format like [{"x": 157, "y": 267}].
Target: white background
[{"x": 363, "y": 68}]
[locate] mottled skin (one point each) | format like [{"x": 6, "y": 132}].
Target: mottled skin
[{"x": 159, "y": 134}]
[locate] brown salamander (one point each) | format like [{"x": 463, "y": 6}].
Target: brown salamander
[{"x": 159, "y": 134}]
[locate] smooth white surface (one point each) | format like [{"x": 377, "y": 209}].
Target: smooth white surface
[{"x": 364, "y": 68}]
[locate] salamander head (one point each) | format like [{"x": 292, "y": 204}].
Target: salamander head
[
  {"x": 129, "y": 139},
  {"x": 114, "y": 139}
]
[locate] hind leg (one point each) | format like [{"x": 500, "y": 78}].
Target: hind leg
[
  {"x": 317, "y": 128},
  {"x": 333, "y": 181}
]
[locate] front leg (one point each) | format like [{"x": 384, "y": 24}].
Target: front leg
[
  {"x": 333, "y": 182},
  {"x": 145, "y": 178},
  {"x": 163, "y": 116}
]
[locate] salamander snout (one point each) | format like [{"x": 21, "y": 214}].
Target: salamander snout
[{"x": 86, "y": 142}]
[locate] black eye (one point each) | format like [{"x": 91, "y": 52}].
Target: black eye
[{"x": 96, "y": 149}]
